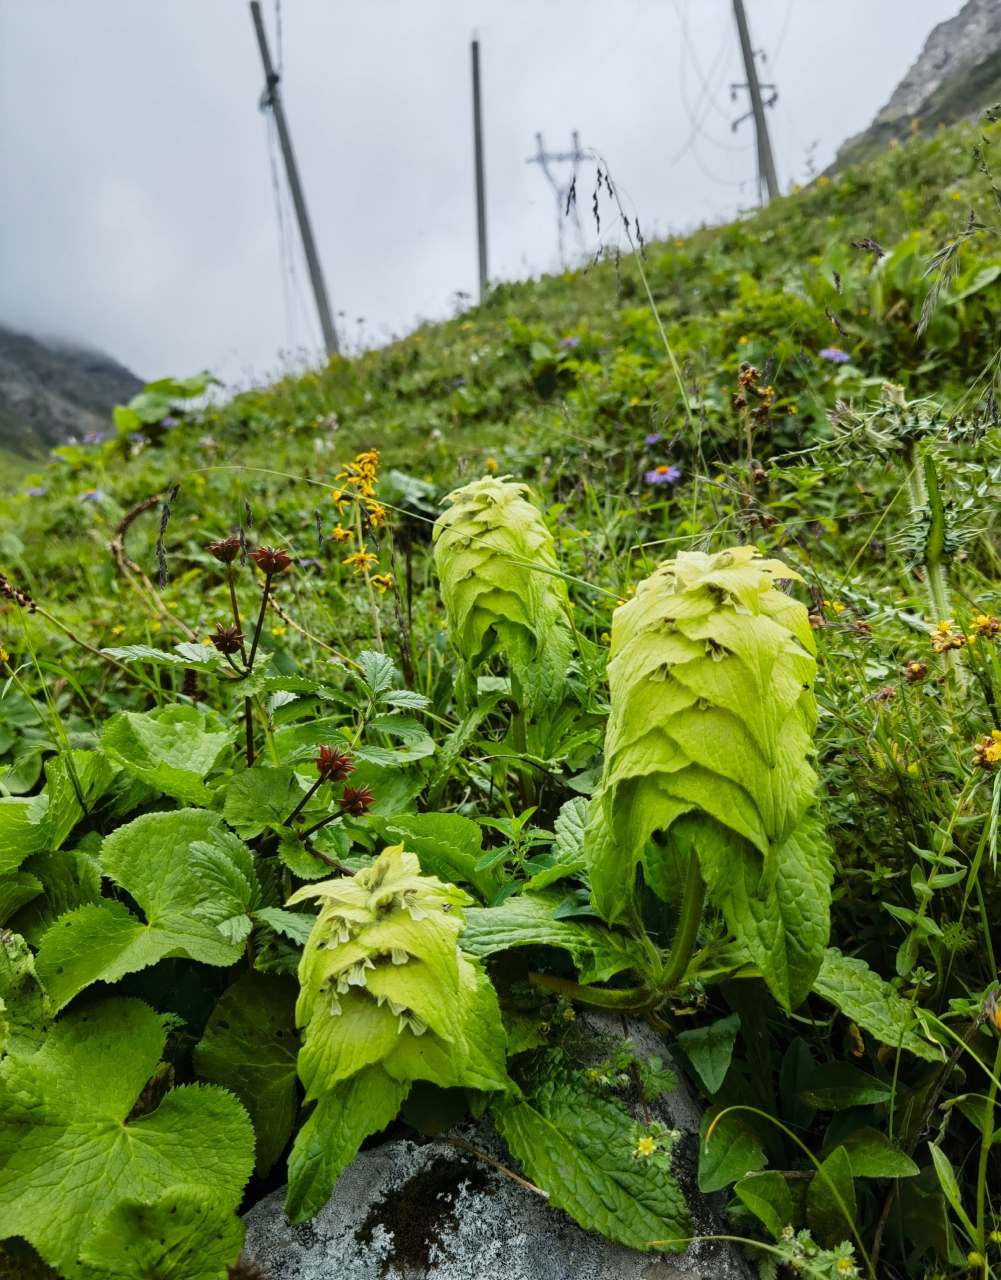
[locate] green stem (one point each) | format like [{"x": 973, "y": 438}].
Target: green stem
[
  {"x": 688, "y": 926},
  {"x": 260, "y": 621},
  {"x": 635, "y": 1000},
  {"x": 248, "y": 713},
  {"x": 985, "y": 1151}
]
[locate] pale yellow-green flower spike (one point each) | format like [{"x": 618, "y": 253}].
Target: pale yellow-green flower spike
[{"x": 492, "y": 548}]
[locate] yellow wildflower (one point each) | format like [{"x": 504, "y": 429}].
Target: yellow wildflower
[
  {"x": 4, "y": 655},
  {"x": 382, "y": 581},
  {"x": 569, "y": 1015},
  {"x": 944, "y": 638},
  {"x": 644, "y": 1148},
  {"x": 341, "y": 535},
  {"x": 492, "y": 466},
  {"x": 117, "y": 631},
  {"x": 361, "y": 560},
  {"x": 984, "y": 625},
  {"x": 376, "y": 513},
  {"x": 277, "y": 631},
  {"x": 833, "y": 604},
  {"x": 987, "y": 751}
]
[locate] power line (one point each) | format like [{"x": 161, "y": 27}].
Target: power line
[{"x": 565, "y": 204}]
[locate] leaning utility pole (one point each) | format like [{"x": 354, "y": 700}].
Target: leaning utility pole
[
  {"x": 481, "y": 203},
  {"x": 272, "y": 99},
  {"x": 766, "y": 164}
]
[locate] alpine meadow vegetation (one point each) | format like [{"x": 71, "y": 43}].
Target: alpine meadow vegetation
[{"x": 628, "y": 643}]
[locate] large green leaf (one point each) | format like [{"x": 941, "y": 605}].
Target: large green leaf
[
  {"x": 68, "y": 1150},
  {"x": 150, "y": 859},
  {"x": 830, "y": 1200},
  {"x": 581, "y": 1147},
  {"x": 171, "y": 748},
  {"x": 851, "y": 986},
  {"x": 185, "y": 1234},
  {"x": 329, "y": 1140},
  {"x": 446, "y": 845},
  {"x": 731, "y": 1151},
  {"x": 250, "y": 1047},
  {"x": 767, "y": 1196},
  {"x": 16, "y": 891},
  {"x": 833, "y": 1086},
  {"x": 44, "y": 821},
  {"x": 598, "y": 951},
  {"x": 709, "y": 1050},
  {"x": 69, "y": 878},
  {"x": 27, "y": 1012},
  {"x": 873, "y": 1155},
  {"x": 260, "y": 798}
]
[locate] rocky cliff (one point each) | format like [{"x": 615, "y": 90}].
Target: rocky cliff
[
  {"x": 957, "y": 74},
  {"x": 51, "y": 392}
]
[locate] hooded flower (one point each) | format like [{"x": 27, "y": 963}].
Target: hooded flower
[
  {"x": 492, "y": 550},
  {"x": 383, "y": 981},
  {"x": 711, "y": 676}
]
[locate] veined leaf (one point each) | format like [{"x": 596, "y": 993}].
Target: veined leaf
[
  {"x": 27, "y": 1013},
  {"x": 249, "y": 1047},
  {"x": 851, "y": 986},
  {"x": 768, "y": 1197},
  {"x": 830, "y": 1200},
  {"x": 16, "y": 891},
  {"x": 66, "y": 1140},
  {"x": 729, "y": 1152},
  {"x": 446, "y": 845},
  {"x": 598, "y": 951},
  {"x": 873, "y": 1155},
  {"x": 149, "y": 858},
  {"x": 171, "y": 748},
  {"x": 836, "y": 1085},
  {"x": 709, "y": 1050}
]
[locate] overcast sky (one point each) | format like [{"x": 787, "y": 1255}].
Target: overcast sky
[{"x": 138, "y": 211}]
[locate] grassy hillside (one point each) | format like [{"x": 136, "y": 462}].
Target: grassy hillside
[{"x": 781, "y": 433}]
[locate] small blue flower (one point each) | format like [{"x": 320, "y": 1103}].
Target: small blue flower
[
  {"x": 93, "y": 437},
  {"x": 458, "y": 382},
  {"x": 653, "y": 438},
  {"x": 835, "y": 355},
  {"x": 564, "y": 343},
  {"x": 169, "y": 422},
  {"x": 663, "y": 475},
  {"x": 92, "y": 495},
  {"x": 137, "y": 437},
  {"x": 34, "y": 493}
]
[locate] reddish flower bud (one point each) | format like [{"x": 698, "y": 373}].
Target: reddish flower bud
[
  {"x": 228, "y": 639},
  {"x": 333, "y": 765},
  {"x": 226, "y": 551},
  {"x": 356, "y": 801},
  {"x": 271, "y": 560}
]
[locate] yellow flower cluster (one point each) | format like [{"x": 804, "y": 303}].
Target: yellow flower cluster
[
  {"x": 340, "y": 534},
  {"x": 944, "y": 638}
]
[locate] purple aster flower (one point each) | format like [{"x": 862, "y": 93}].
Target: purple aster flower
[
  {"x": 310, "y": 564},
  {"x": 169, "y": 422},
  {"x": 93, "y": 437},
  {"x": 458, "y": 382},
  {"x": 653, "y": 438},
  {"x": 34, "y": 493},
  {"x": 835, "y": 355},
  {"x": 564, "y": 343},
  {"x": 56, "y": 457},
  {"x": 137, "y": 437},
  {"x": 663, "y": 475},
  {"x": 92, "y": 495}
]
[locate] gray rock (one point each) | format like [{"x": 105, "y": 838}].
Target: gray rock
[{"x": 405, "y": 1210}]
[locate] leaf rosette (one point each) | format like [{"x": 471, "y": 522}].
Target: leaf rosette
[
  {"x": 492, "y": 552},
  {"x": 709, "y": 748}
]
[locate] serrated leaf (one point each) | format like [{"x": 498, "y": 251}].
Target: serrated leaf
[
  {"x": 16, "y": 891},
  {"x": 65, "y": 1139},
  {"x": 260, "y": 798},
  {"x": 730, "y": 1152},
  {"x": 295, "y": 925},
  {"x": 873, "y": 1155},
  {"x": 185, "y": 1234},
  {"x": 830, "y": 1200},
  {"x": 293, "y": 854},
  {"x": 207, "y": 658},
  {"x": 861, "y": 995},
  {"x": 768, "y": 1197},
  {"x": 405, "y": 698},
  {"x": 447, "y": 846},
  {"x": 224, "y": 868},
  {"x": 27, "y": 1011},
  {"x": 569, "y": 827},
  {"x": 69, "y": 878},
  {"x": 406, "y": 728},
  {"x": 378, "y": 670},
  {"x": 249, "y": 1047},
  {"x": 103, "y": 941},
  {"x": 580, "y": 1147},
  {"x": 598, "y": 951},
  {"x": 44, "y": 821},
  {"x": 171, "y": 748},
  {"x": 709, "y": 1050},
  {"x": 329, "y": 1140}
]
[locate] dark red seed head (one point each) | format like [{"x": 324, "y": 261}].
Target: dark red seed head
[
  {"x": 356, "y": 801},
  {"x": 333, "y": 765},
  {"x": 271, "y": 559},
  {"x": 226, "y": 551},
  {"x": 228, "y": 639}
]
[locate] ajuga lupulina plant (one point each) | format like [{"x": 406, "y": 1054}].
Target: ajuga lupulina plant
[
  {"x": 386, "y": 998},
  {"x": 492, "y": 552},
  {"x": 708, "y": 782}
]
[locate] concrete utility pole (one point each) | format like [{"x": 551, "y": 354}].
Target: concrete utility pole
[
  {"x": 766, "y": 163},
  {"x": 272, "y": 99},
  {"x": 481, "y": 200}
]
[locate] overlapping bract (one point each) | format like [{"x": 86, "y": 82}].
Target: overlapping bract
[
  {"x": 383, "y": 982},
  {"x": 711, "y": 677},
  {"x": 491, "y": 551}
]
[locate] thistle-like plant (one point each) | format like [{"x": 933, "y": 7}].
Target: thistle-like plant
[
  {"x": 496, "y": 562},
  {"x": 708, "y": 781},
  {"x": 386, "y": 998}
]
